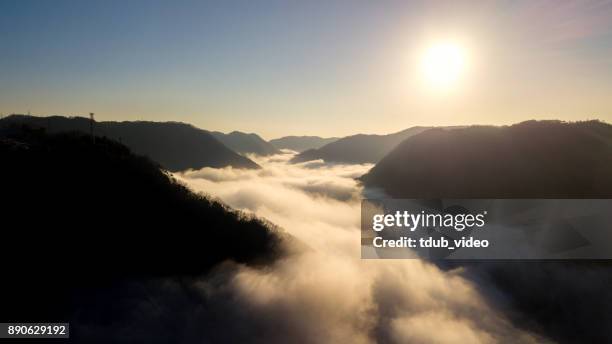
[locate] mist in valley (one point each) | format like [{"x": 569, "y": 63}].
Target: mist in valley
[{"x": 324, "y": 292}]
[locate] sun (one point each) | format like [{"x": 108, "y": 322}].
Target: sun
[{"x": 442, "y": 65}]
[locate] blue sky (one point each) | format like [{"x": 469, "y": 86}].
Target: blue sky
[{"x": 303, "y": 67}]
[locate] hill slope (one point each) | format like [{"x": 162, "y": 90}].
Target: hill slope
[
  {"x": 84, "y": 213},
  {"x": 176, "y": 146},
  {"x": 301, "y": 143},
  {"x": 245, "y": 143},
  {"x": 358, "y": 149},
  {"x": 546, "y": 159}
]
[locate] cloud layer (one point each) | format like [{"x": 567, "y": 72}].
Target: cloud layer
[{"x": 326, "y": 293}]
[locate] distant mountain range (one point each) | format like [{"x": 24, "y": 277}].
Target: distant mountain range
[
  {"x": 358, "y": 149},
  {"x": 541, "y": 159},
  {"x": 301, "y": 143},
  {"x": 245, "y": 143},
  {"x": 176, "y": 146}
]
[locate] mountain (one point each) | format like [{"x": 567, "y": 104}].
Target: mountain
[
  {"x": 542, "y": 159},
  {"x": 81, "y": 214},
  {"x": 176, "y": 146},
  {"x": 245, "y": 143},
  {"x": 534, "y": 159},
  {"x": 358, "y": 149},
  {"x": 301, "y": 143}
]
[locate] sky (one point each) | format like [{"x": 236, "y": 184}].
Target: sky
[{"x": 328, "y": 68}]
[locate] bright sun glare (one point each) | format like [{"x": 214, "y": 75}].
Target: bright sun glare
[{"x": 442, "y": 65}]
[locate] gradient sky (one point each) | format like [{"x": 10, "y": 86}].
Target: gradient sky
[{"x": 304, "y": 67}]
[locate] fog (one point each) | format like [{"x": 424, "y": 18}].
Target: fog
[{"x": 324, "y": 292}]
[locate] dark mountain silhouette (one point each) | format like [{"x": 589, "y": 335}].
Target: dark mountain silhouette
[
  {"x": 358, "y": 149},
  {"x": 176, "y": 146},
  {"x": 79, "y": 215},
  {"x": 534, "y": 159},
  {"x": 245, "y": 143},
  {"x": 301, "y": 143},
  {"x": 545, "y": 159}
]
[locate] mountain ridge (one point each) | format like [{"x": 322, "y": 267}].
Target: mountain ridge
[
  {"x": 359, "y": 148},
  {"x": 245, "y": 143},
  {"x": 175, "y": 145},
  {"x": 542, "y": 159},
  {"x": 89, "y": 213},
  {"x": 301, "y": 143}
]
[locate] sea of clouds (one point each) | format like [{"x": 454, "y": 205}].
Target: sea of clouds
[
  {"x": 326, "y": 293},
  {"x": 322, "y": 292}
]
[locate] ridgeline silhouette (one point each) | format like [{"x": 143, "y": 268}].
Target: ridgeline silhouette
[
  {"x": 176, "y": 146},
  {"x": 358, "y": 149},
  {"x": 301, "y": 143},
  {"x": 533, "y": 159},
  {"x": 80, "y": 214},
  {"x": 245, "y": 143}
]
